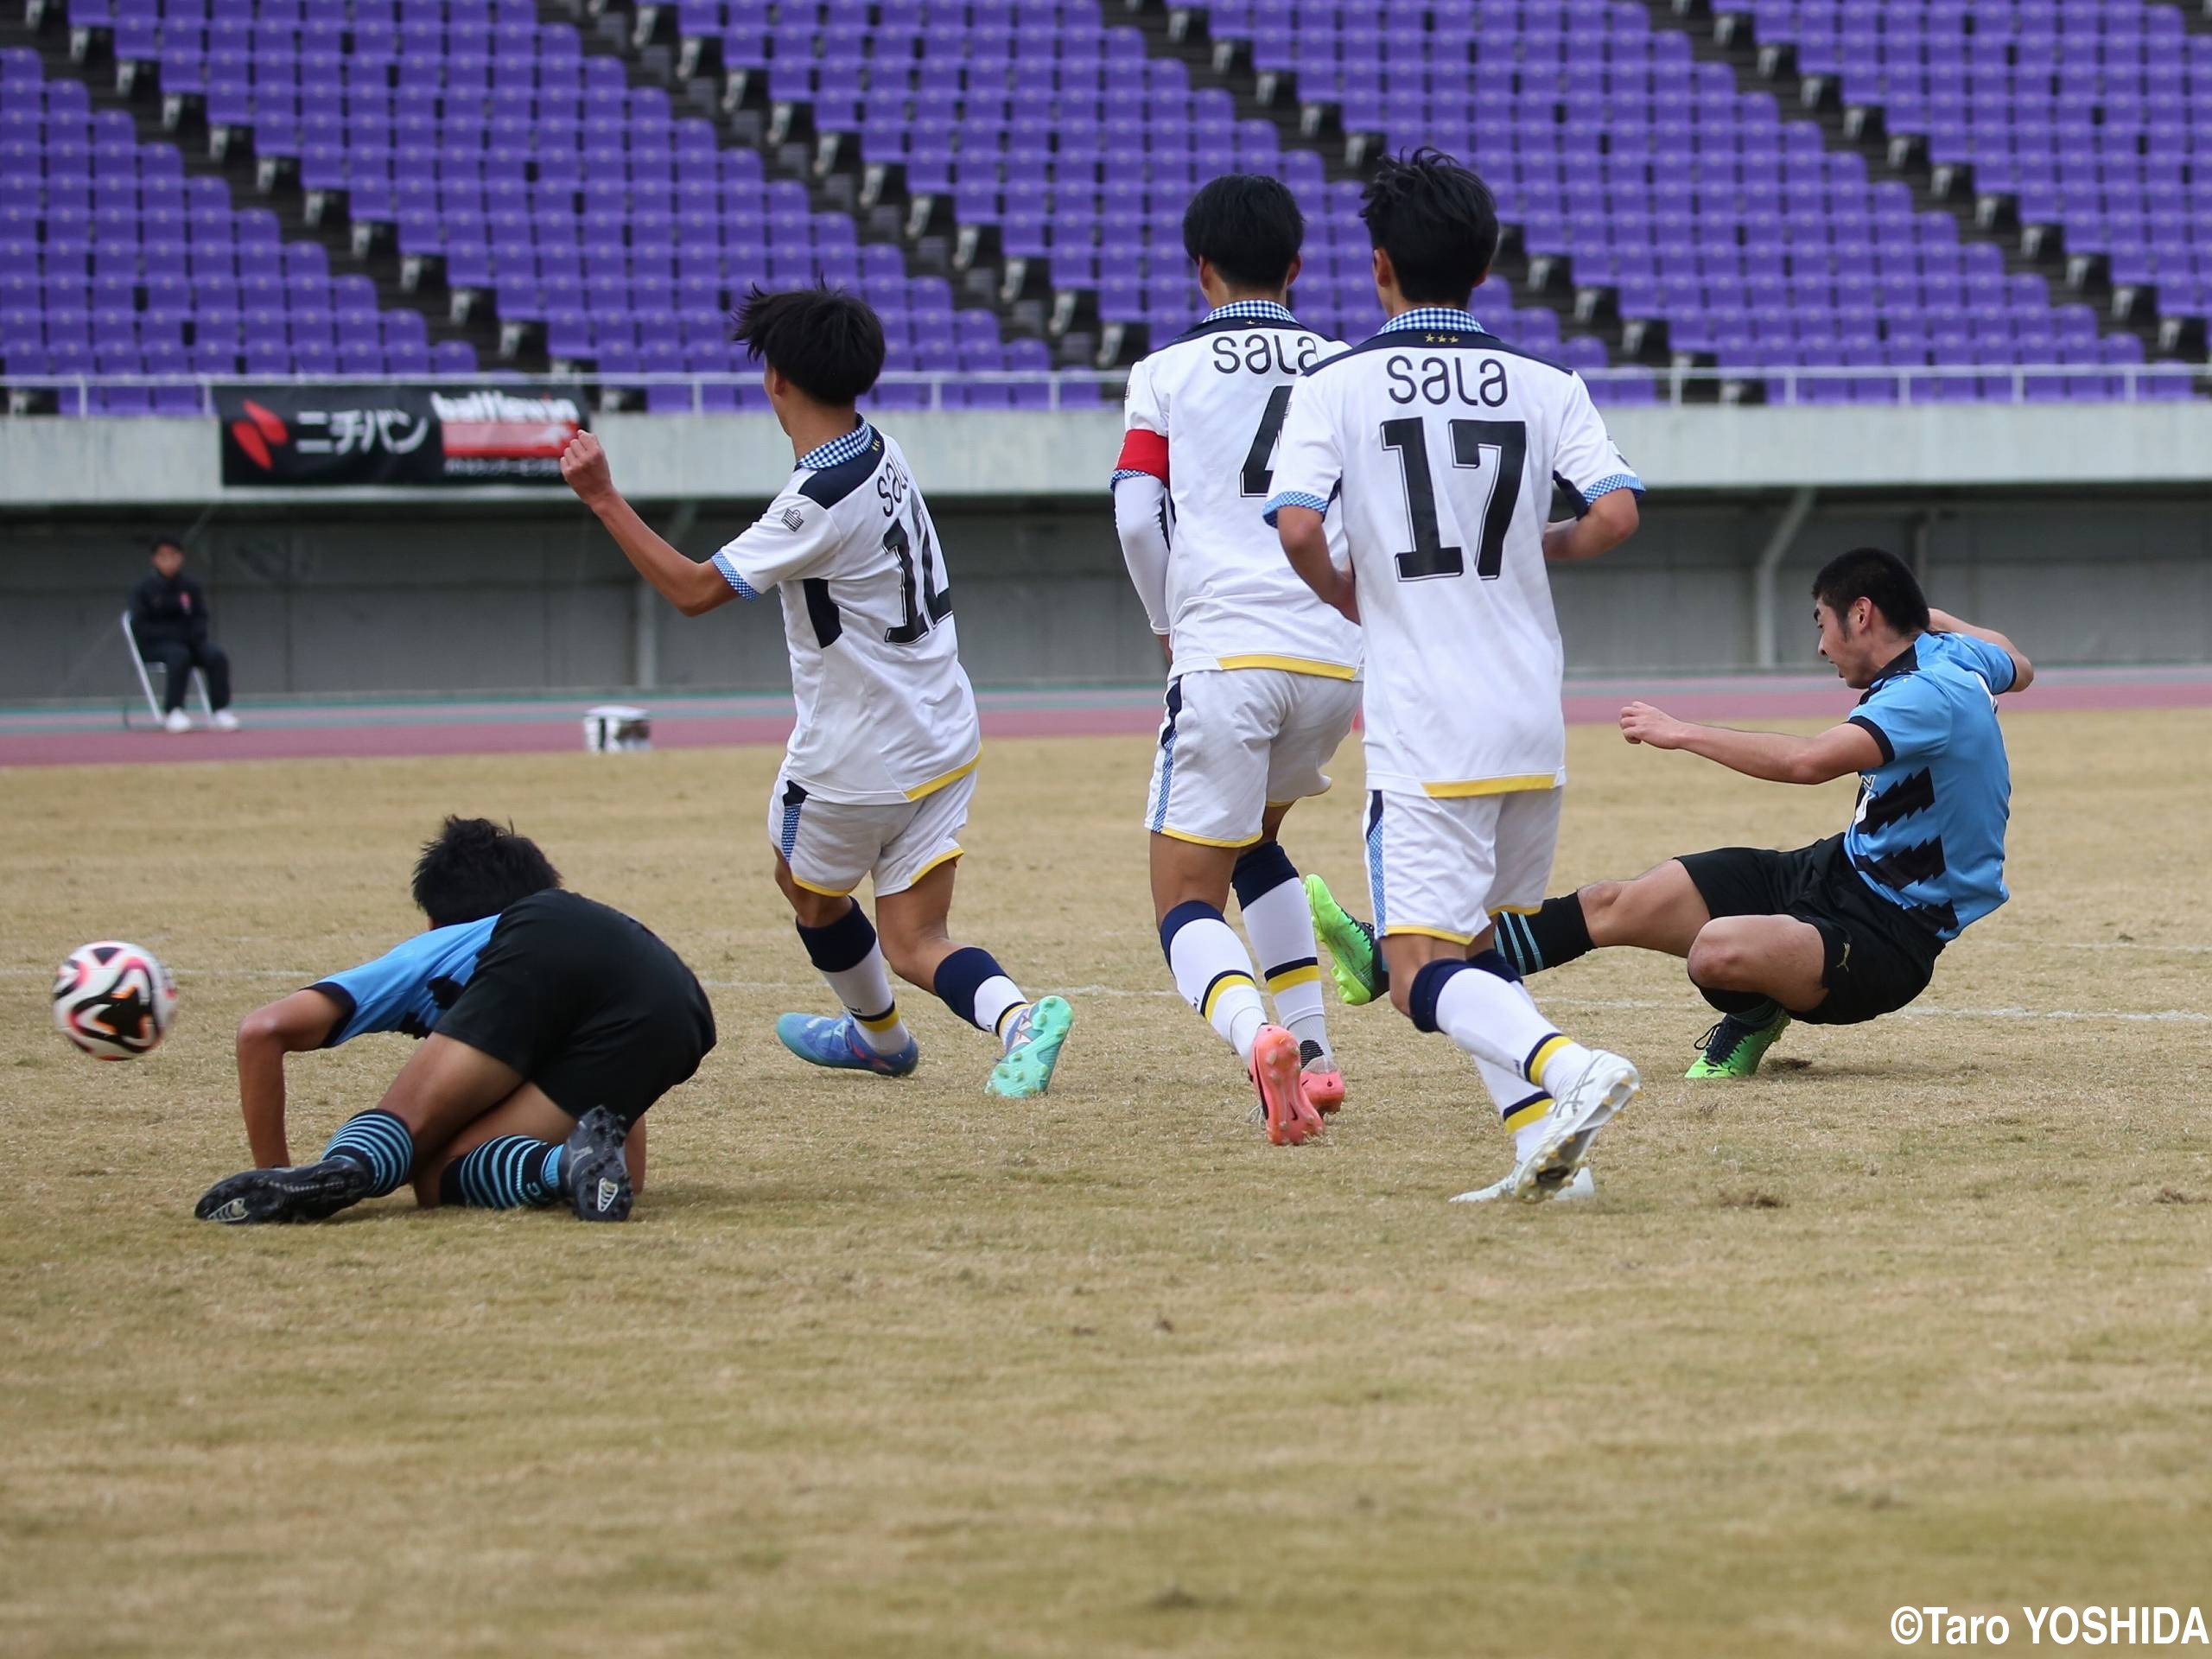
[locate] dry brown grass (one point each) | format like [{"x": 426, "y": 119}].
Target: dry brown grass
[{"x": 901, "y": 1369}]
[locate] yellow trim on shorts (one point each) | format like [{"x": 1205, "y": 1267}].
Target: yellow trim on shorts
[
  {"x": 1207, "y": 841},
  {"x": 1472, "y": 786},
  {"x": 1291, "y": 665},
  {"x": 1528, "y": 1112},
  {"x": 1430, "y": 933},
  {"x": 1213, "y": 994},
  {"x": 915, "y": 880},
  {"x": 952, "y": 777},
  {"x": 827, "y": 893},
  {"x": 1282, "y": 981}
]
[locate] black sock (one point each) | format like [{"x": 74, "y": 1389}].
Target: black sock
[
  {"x": 1555, "y": 936},
  {"x": 1753, "y": 1008}
]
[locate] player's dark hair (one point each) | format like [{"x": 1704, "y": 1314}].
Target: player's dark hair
[
  {"x": 473, "y": 868},
  {"x": 1436, "y": 220},
  {"x": 1871, "y": 574},
  {"x": 1248, "y": 224},
  {"x": 828, "y": 343},
  {"x": 160, "y": 542}
]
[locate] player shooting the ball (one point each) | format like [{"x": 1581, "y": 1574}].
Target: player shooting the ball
[
  {"x": 549, "y": 1025},
  {"x": 1849, "y": 928}
]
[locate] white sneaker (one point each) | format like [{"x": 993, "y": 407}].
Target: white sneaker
[
  {"x": 177, "y": 720},
  {"x": 1584, "y": 1186},
  {"x": 1606, "y": 1085},
  {"x": 225, "y": 720}
]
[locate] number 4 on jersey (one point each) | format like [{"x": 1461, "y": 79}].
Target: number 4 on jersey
[{"x": 1259, "y": 475}]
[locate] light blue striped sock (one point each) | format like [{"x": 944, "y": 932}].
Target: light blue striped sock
[
  {"x": 381, "y": 1144},
  {"x": 511, "y": 1173}
]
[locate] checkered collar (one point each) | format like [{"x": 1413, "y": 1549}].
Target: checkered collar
[
  {"x": 838, "y": 450},
  {"x": 1443, "y": 318},
  {"x": 1248, "y": 311}
]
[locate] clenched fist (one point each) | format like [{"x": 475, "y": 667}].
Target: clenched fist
[
  {"x": 583, "y": 465},
  {"x": 1642, "y": 723}
]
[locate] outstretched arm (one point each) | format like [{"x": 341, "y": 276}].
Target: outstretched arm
[
  {"x": 691, "y": 587},
  {"x": 1774, "y": 756},
  {"x": 302, "y": 1020},
  {"x": 2024, "y": 671},
  {"x": 1306, "y": 544}
]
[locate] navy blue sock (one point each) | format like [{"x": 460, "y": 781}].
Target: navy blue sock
[
  {"x": 1259, "y": 870},
  {"x": 976, "y": 988},
  {"x": 1555, "y": 936},
  {"x": 511, "y": 1173},
  {"x": 381, "y": 1144}
]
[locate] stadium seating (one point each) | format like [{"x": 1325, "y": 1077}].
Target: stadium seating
[
  {"x": 2095, "y": 116},
  {"x": 578, "y": 204},
  {"x": 1697, "y": 203},
  {"x": 1065, "y": 135},
  {"x": 113, "y": 262}
]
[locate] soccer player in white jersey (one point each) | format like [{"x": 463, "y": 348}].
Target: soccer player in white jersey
[
  {"x": 1265, "y": 677},
  {"x": 1443, "y": 442},
  {"x": 880, "y": 768}
]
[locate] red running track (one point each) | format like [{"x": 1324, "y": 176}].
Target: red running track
[{"x": 35, "y": 738}]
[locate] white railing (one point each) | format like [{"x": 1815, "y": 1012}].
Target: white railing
[{"x": 2003, "y": 384}]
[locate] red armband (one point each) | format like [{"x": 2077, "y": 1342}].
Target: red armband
[{"x": 1144, "y": 451}]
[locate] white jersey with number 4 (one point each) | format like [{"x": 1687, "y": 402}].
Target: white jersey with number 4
[
  {"x": 885, "y": 710},
  {"x": 1204, "y": 413},
  {"x": 1441, "y": 443}
]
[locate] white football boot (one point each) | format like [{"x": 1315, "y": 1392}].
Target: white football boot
[
  {"x": 1584, "y": 1186},
  {"x": 1606, "y": 1085}
]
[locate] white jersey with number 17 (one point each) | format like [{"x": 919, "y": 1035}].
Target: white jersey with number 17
[
  {"x": 1442, "y": 442},
  {"x": 885, "y": 710}
]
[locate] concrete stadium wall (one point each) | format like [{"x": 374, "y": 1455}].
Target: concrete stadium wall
[{"x": 530, "y": 596}]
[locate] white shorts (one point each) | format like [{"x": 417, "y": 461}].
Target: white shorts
[
  {"x": 831, "y": 845},
  {"x": 1445, "y": 867},
  {"x": 1238, "y": 741}
]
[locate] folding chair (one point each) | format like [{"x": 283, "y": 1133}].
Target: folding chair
[{"x": 146, "y": 682}]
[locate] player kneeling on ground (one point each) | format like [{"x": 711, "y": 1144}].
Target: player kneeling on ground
[
  {"x": 1443, "y": 442},
  {"x": 1266, "y": 678},
  {"x": 881, "y": 763},
  {"x": 1849, "y": 928},
  {"x": 550, "y": 1024}
]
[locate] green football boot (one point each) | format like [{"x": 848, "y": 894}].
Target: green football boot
[
  {"x": 1733, "y": 1049},
  {"x": 1032, "y": 1049},
  {"x": 1354, "y": 961}
]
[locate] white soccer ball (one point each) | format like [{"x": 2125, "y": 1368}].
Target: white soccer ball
[{"x": 114, "y": 1001}]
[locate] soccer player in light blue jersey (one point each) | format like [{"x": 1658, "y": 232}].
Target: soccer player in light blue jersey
[
  {"x": 1849, "y": 928},
  {"x": 548, "y": 1026}
]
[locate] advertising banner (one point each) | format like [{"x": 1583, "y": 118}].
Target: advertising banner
[{"x": 397, "y": 434}]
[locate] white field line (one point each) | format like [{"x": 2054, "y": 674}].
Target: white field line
[{"x": 1641, "y": 1004}]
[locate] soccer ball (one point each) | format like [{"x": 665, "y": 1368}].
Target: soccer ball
[{"x": 114, "y": 1001}]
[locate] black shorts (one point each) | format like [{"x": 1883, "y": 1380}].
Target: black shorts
[
  {"x": 1878, "y": 957},
  {"x": 588, "y": 1004}
]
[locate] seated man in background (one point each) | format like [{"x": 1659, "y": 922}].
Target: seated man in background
[
  {"x": 168, "y": 619},
  {"x": 549, "y": 1025}
]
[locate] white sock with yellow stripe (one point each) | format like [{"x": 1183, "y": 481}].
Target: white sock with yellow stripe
[
  {"x": 1214, "y": 972},
  {"x": 850, "y": 962},
  {"x": 1280, "y": 924},
  {"x": 1480, "y": 1005},
  {"x": 1522, "y": 1107}
]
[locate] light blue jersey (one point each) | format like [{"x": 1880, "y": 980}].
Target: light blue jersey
[
  {"x": 1928, "y": 835},
  {"x": 410, "y": 986}
]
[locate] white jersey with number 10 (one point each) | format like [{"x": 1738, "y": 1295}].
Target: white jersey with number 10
[{"x": 1443, "y": 443}]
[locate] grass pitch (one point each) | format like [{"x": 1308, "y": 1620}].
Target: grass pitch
[{"x": 1920, "y": 1316}]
